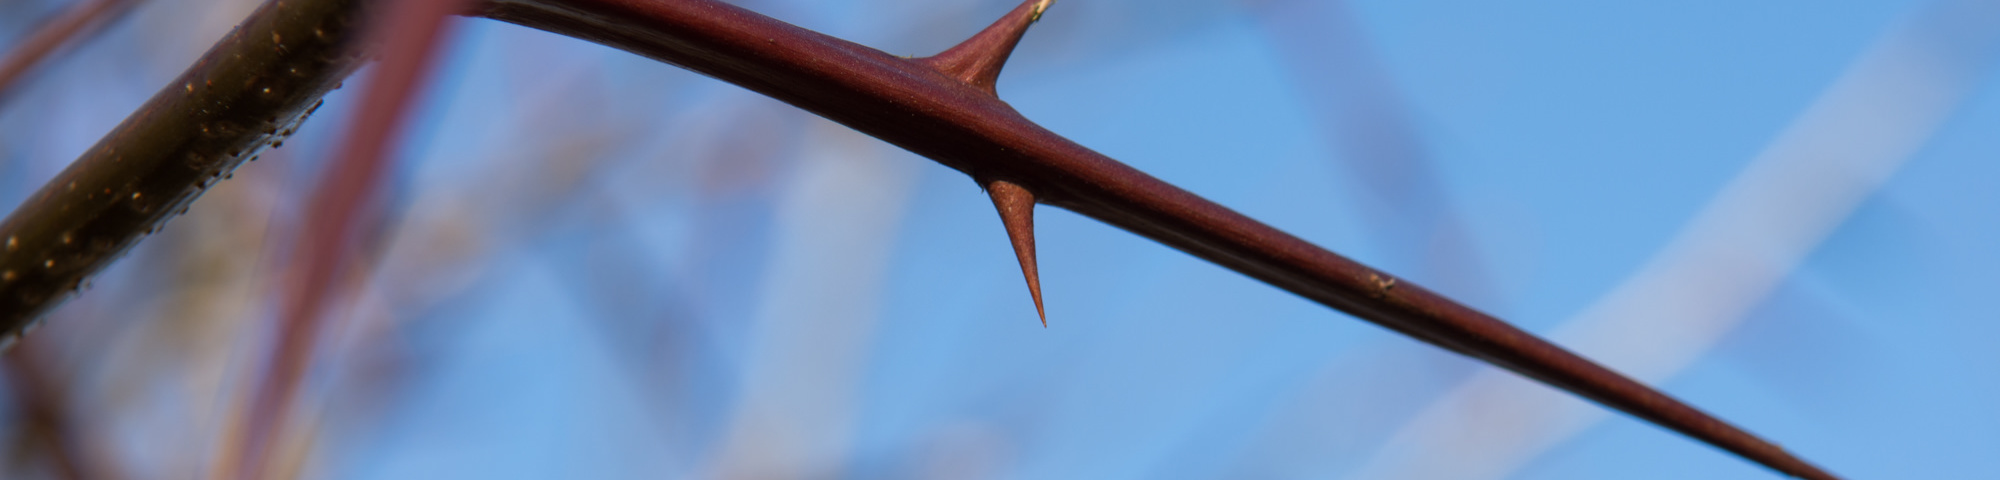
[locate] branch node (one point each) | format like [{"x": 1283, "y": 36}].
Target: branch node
[{"x": 1017, "y": 213}]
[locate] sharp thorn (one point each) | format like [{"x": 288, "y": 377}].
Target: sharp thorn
[
  {"x": 1017, "y": 213},
  {"x": 977, "y": 60}
]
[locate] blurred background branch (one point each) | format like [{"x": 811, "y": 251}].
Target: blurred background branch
[
  {"x": 76, "y": 23},
  {"x": 1731, "y": 255}
]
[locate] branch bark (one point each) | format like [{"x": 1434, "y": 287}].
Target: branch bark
[
  {"x": 248, "y": 91},
  {"x": 910, "y": 104},
  {"x": 246, "y": 94}
]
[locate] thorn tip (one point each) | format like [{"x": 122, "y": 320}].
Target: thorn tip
[{"x": 1017, "y": 212}]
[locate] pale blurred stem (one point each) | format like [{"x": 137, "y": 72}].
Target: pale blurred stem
[
  {"x": 1365, "y": 119},
  {"x": 73, "y": 25},
  {"x": 411, "y": 31},
  {"x": 45, "y": 410},
  {"x": 907, "y": 103}
]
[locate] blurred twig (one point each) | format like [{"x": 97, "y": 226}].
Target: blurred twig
[
  {"x": 1728, "y": 258},
  {"x": 817, "y": 313},
  {"x": 71, "y": 26},
  {"x": 44, "y": 406},
  {"x": 1365, "y": 119},
  {"x": 410, "y": 32}
]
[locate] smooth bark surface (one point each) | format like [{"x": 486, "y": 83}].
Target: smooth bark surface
[
  {"x": 252, "y": 88},
  {"x": 964, "y": 126}
]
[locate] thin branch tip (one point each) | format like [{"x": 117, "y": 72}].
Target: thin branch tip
[
  {"x": 1017, "y": 212},
  {"x": 977, "y": 61}
]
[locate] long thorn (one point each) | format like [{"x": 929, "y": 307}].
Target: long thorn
[
  {"x": 1017, "y": 212},
  {"x": 977, "y": 60}
]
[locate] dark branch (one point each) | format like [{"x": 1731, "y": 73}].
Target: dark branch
[
  {"x": 253, "y": 86},
  {"x": 912, "y": 105},
  {"x": 248, "y": 92}
]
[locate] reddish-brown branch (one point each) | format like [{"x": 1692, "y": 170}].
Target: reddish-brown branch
[
  {"x": 157, "y": 161},
  {"x": 1369, "y": 124},
  {"x": 409, "y": 31},
  {"x": 910, "y": 104},
  {"x": 77, "y": 22}
]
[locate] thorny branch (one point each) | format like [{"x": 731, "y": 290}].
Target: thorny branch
[
  {"x": 954, "y": 118},
  {"x": 248, "y": 89}
]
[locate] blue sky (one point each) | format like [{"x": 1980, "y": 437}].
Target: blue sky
[{"x": 611, "y": 268}]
